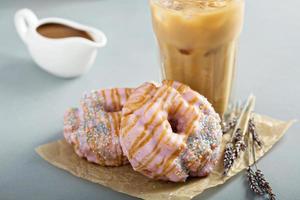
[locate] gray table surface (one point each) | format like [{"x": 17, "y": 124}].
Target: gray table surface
[{"x": 32, "y": 102}]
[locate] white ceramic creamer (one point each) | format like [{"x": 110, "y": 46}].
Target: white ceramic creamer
[{"x": 64, "y": 57}]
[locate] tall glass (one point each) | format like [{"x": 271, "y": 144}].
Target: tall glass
[{"x": 198, "y": 43}]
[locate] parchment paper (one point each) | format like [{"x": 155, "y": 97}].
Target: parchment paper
[{"x": 125, "y": 180}]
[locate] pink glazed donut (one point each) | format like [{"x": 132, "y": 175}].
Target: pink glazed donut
[
  {"x": 170, "y": 132},
  {"x": 94, "y": 129}
]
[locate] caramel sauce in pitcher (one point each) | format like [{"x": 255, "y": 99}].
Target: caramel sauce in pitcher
[{"x": 56, "y": 31}]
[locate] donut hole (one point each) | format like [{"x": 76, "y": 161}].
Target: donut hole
[{"x": 175, "y": 125}]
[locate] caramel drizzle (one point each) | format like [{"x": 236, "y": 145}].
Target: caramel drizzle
[
  {"x": 158, "y": 165},
  {"x": 127, "y": 93},
  {"x": 157, "y": 95},
  {"x": 114, "y": 103},
  {"x": 168, "y": 83},
  {"x": 194, "y": 100},
  {"x": 124, "y": 121},
  {"x": 170, "y": 170},
  {"x": 177, "y": 152},
  {"x": 181, "y": 88},
  {"x": 190, "y": 125},
  {"x": 140, "y": 139},
  {"x": 135, "y": 144},
  {"x": 156, "y": 150},
  {"x": 168, "y": 163},
  {"x": 127, "y": 128},
  {"x": 178, "y": 86},
  {"x": 174, "y": 155},
  {"x": 118, "y": 99},
  {"x": 126, "y": 131},
  {"x": 178, "y": 107},
  {"x": 117, "y": 118},
  {"x": 187, "y": 111},
  {"x": 137, "y": 104},
  {"x": 134, "y": 105},
  {"x": 115, "y": 122},
  {"x": 143, "y": 141}
]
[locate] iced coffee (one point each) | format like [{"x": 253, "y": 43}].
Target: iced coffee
[{"x": 198, "y": 43}]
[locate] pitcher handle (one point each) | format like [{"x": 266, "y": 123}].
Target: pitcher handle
[{"x": 24, "y": 20}]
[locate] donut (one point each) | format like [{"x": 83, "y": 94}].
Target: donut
[
  {"x": 170, "y": 132},
  {"x": 94, "y": 128}
]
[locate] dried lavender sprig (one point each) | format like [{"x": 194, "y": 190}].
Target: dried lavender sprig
[
  {"x": 264, "y": 184},
  {"x": 229, "y": 158},
  {"x": 239, "y": 147},
  {"x": 253, "y": 182},
  {"x": 237, "y": 144},
  {"x": 259, "y": 177},
  {"x": 252, "y": 130},
  {"x": 242, "y": 122},
  {"x": 251, "y": 176},
  {"x": 233, "y": 150},
  {"x": 229, "y": 125},
  {"x": 237, "y": 135},
  {"x": 258, "y": 183},
  {"x": 230, "y": 120}
]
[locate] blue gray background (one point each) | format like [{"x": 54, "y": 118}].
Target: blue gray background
[{"x": 32, "y": 101}]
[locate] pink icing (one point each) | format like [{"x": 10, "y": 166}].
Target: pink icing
[
  {"x": 90, "y": 121},
  {"x": 138, "y": 147}
]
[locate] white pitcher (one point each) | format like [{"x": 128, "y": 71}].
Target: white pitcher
[{"x": 64, "y": 57}]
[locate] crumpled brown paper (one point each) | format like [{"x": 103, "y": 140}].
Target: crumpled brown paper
[{"x": 125, "y": 180}]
